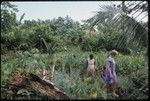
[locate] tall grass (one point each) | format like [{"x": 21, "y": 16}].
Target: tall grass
[{"x": 70, "y": 66}]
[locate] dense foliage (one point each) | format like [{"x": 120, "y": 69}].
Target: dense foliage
[
  {"x": 70, "y": 75},
  {"x": 72, "y": 42}
]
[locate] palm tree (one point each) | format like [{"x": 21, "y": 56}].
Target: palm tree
[{"x": 133, "y": 33}]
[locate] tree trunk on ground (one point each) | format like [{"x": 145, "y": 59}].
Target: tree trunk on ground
[{"x": 36, "y": 84}]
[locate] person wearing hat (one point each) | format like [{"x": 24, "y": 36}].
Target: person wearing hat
[{"x": 109, "y": 74}]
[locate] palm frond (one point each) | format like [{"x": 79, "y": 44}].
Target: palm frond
[{"x": 131, "y": 29}]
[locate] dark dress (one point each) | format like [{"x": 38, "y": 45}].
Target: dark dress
[{"x": 106, "y": 75}]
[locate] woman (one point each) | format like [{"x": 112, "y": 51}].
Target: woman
[
  {"x": 91, "y": 66},
  {"x": 109, "y": 74}
]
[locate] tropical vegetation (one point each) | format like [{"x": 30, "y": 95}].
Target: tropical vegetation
[{"x": 31, "y": 45}]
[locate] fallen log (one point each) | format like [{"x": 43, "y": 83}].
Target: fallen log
[{"x": 34, "y": 83}]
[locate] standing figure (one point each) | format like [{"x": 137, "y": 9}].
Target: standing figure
[
  {"x": 109, "y": 74},
  {"x": 91, "y": 66}
]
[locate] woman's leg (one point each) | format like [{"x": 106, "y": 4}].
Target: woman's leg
[
  {"x": 105, "y": 87},
  {"x": 114, "y": 88}
]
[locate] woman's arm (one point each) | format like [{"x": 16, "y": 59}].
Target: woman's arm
[
  {"x": 109, "y": 66},
  {"x": 86, "y": 64},
  {"x": 95, "y": 65}
]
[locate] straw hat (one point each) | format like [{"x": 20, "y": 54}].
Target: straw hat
[{"x": 114, "y": 52}]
